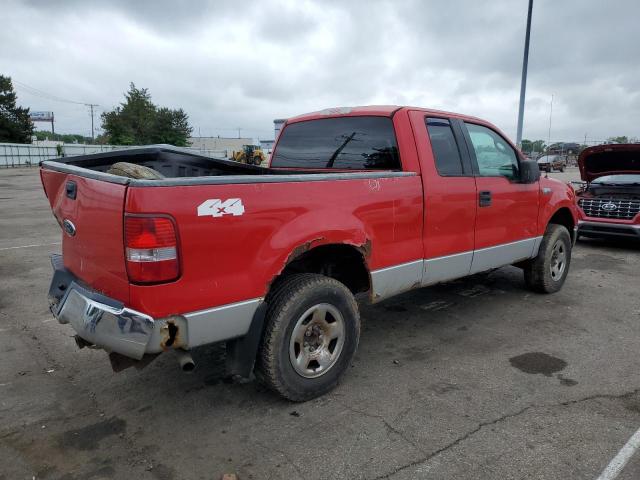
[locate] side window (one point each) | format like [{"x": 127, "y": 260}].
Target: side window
[
  {"x": 444, "y": 146},
  {"x": 494, "y": 155}
]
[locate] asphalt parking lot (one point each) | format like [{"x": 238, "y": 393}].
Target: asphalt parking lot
[{"x": 477, "y": 378}]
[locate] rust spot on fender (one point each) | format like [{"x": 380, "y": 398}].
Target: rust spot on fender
[
  {"x": 297, "y": 252},
  {"x": 170, "y": 335},
  {"x": 300, "y": 249},
  {"x": 365, "y": 248}
]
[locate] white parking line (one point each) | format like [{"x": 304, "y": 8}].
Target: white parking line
[
  {"x": 30, "y": 246},
  {"x": 622, "y": 458}
]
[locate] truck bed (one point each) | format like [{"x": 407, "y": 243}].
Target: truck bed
[
  {"x": 184, "y": 168},
  {"x": 282, "y": 209},
  {"x": 172, "y": 162}
]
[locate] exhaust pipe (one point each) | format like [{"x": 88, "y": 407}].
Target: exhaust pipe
[{"x": 185, "y": 360}]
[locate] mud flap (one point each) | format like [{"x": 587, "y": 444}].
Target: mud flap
[{"x": 241, "y": 352}]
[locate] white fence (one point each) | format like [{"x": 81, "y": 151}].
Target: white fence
[{"x": 24, "y": 155}]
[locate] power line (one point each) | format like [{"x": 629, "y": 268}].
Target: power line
[
  {"x": 42, "y": 94},
  {"x": 92, "y": 107},
  {"x": 39, "y": 93}
]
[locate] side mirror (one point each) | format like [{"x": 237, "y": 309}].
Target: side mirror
[{"x": 529, "y": 171}]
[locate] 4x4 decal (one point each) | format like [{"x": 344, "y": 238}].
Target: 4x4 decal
[{"x": 216, "y": 207}]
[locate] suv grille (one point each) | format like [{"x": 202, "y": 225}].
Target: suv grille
[{"x": 624, "y": 209}]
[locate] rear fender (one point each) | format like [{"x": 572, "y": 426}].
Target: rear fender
[{"x": 302, "y": 234}]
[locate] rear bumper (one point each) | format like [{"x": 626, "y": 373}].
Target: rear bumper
[
  {"x": 608, "y": 230},
  {"x": 116, "y": 329},
  {"x": 97, "y": 319},
  {"x": 106, "y": 323}
]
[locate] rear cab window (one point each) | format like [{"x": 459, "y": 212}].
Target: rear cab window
[{"x": 345, "y": 143}]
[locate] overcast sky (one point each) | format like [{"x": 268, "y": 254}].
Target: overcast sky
[{"x": 232, "y": 64}]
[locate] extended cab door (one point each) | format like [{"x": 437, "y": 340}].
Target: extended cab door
[
  {"x": 449, "y": 197},
  {"x": 507, "y": 210}
]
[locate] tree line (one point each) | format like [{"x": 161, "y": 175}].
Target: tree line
[
  {"x": 15, "y": 124},
  {"x": 136, "y": 121},
  {"x": 540, "y": 146}
]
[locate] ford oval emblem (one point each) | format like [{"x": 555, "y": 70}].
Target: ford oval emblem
[
  {"x": 69, "y": 227},
  {"x": 609, "y": 207}
]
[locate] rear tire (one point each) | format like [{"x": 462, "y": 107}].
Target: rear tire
[
  {"x": 311, "y": 334},
  {"x": 547, "y": 272}
]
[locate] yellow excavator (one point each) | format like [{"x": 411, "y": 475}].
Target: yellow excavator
[{"x": 250, "y": 154}]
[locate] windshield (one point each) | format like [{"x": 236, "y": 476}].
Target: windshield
[{"x": 623, "y": 179}]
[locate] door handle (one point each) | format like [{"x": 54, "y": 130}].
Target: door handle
[
  {"x": 71, "y": 189},
  {"x": 484, "y": 198}
]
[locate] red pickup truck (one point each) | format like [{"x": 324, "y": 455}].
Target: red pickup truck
[{"x": 367, "y": 202}]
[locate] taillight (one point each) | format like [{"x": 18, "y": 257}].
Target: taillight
[{"x": 151, "y": 247}]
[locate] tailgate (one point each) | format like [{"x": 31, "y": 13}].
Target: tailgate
[{"x": 91, "y": 214}]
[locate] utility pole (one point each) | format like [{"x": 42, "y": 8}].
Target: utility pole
[
  {"x": 523, "y": 83},
  {"x": 339, "y": 149},
  {"x": 91, "y": 105},
  {"x": 550, "y": 115}
]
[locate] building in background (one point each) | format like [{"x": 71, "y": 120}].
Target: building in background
[
  {"x": 220, "y": 144},
  {"x": 46, "y": 142},
  {"x": 267, "y": 146},
  {"x": 277, "y": 125}
]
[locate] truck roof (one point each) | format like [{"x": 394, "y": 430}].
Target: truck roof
[{"x": 377, "y": 110}]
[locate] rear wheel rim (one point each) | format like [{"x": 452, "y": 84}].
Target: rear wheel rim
[
  {"x": 317, "y": 340},
  {"x": 558, "y": 262}
]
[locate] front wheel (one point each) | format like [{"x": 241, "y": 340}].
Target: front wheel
[
  {"x": 312, "y": 332},
  {"x": 547, "y": 272}
]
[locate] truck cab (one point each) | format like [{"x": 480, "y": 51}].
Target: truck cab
[{"x": 483, "y": 202}]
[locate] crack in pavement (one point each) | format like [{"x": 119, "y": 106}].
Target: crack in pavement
[
  {"x": 284, "y": 455},
  {"x": 507, "y": 416},
  {"x": 387, "y": 425}
]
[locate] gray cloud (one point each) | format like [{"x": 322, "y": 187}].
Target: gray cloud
[{"x": 231, "y": 64}]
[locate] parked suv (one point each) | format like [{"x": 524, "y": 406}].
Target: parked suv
[
  {"x": 548, "y": 163},
  {"x": 610, "y": 201}
]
